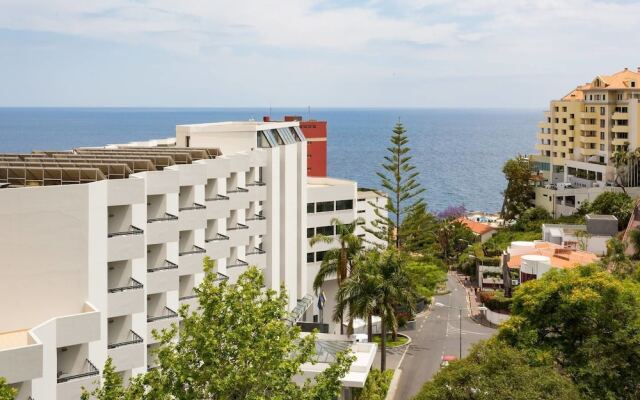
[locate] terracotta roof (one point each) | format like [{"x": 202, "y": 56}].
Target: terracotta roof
[
  {"x": 619, "y": 80},
  {"x": 559, "y": 256},
  {"x": 477, "y": 227}
]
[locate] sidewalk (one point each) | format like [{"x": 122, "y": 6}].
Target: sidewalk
[{"x": 472, "y": 299}]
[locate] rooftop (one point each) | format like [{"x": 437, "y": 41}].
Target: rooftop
[
  {"x": 9, "y": 340},
  {"x": 477, "y": 227},
  {"x": 619, "y": 80},
  {"x": 560, "y": 257}
]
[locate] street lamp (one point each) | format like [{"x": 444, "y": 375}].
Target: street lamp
[{"x": 438, "y": 304}]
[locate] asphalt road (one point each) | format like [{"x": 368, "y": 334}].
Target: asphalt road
[{"x": 437, "y": 333}]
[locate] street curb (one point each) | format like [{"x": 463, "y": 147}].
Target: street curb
[{"x": 393, "y": 386}]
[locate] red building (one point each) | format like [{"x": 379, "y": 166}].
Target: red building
[{"x": 316, "y": 134}]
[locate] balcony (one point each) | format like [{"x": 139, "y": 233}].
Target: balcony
[
  {"x": 191, "y": 300},
  {"x": 71, "y": 383},
  {"x": 588, "y": 152},
  {"x": 218, "y": 246},
  {"x": 589, "y": 139},
  {"x": 257, "y": 224},
  {"x": 620, "y": 142},
  {"x": 128, "y": 353},
  {"x": 162, "y": 278},
  {"x": 620, "y": 115},
  {"x": 238, "y": 234},
  {"x": 257, "y": 191},
  {"x": 239, "y": 198},
  {"x": 125, "y": 245},
  {"x": 190, "y": 261},
  {"x": 235, "y": 268},
  {"x": 218, "y": 207},
  {"x": 620, "y": 128},
  {"x": 20, "y": 356},
  {"x": 126, "y": 300},
  {"x": 162, "y": 229},
  {"x": 78, "y": 328},
  {"x": 161, "y": 321},
  {"x": 192, "y": 217},
  {"x": 257, "y": 257}
]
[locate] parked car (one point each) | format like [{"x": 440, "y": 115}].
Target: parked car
[{"x": 446, "y": 360}]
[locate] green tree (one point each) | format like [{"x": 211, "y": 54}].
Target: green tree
[
  {"x": 588, "y": 322},
  {"x": 238, "y": 345},
  {"x": 6, "y": 391},
  {"x": 425, "y": 277},
  {"x": 496, "y": 371},
  {"x": 519, "y": 192},
  {"x": 376, "y": 386},
  {"x": 338, "y": 261},
  {"x": 532, "y": 219},
  {"x": 419, "y": 228},
  {"x": 400, "y": 179},
  {"x": 111, "y": 387},
  {"x": 616, "y": 259},
  {"x": 614, "y": 203},
  {"x": 453, "y": 238}
]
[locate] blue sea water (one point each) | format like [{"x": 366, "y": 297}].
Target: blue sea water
[{"x": 459, "y": 152}]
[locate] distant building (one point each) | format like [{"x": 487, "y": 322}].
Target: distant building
[
  {"x": 482, "y": 231},
  {"x": 578, "y": 137},
  {"x": 592, "y": 236}
]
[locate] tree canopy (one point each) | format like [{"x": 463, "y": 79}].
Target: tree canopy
[
  {"x": 519, "y": 191},
  {"x": 6, "y": 391},
  {"x": 614, "y": 203}
]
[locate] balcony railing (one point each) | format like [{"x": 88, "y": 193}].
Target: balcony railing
[
  {"x": 167, "y": 217},
  {"x": 167, "y": 265},
  {"x": 221, "y": 277},
  {"x": 217, "y": 198},
  {"x": 195, "y": 206},
  {"x": 238, "y": 190},
  {"x": 88, "y": 369},
  {"x": 189, "y": 296},
  {"x": 256, "y": 183},
  {"x": 133, "y": 230},
  {"x": 132, "y": 338},
  {"x": 255, "y": 250},
  {"x": 237, "y": 226},
  {"x": 219, "y": 236},
  {"x": 238, "y": 263},
  {"x": 165, "y": 314},
  {"x": 256, "y": 217},
  {"x": 133, "y": 284},
  {"x": 194, "y": 250}
]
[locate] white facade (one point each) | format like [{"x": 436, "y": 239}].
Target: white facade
[
  {"x": 368, "y": 202},
  {"x": 88, "y": 270}
]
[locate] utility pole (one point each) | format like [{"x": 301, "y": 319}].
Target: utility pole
[{"x": 460, "y": 328}]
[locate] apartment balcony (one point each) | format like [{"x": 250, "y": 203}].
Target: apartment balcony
[
  {"x": 162, "y": 278},
  {"x": 540, "y": 146},
  {"x": 190, "y": 300},
  {"x": 126, "y": 300},
  {"x": 125, "y": 191},
  {"x": 162, "y": 229},
  {"x": 257, "y": 191},
  {"x": 127, "y": 353},
  {"x": 78, "y": 328},
  {"x": 161, "y": 321},
  {"x": 71, "y": 383},
  {"x": 257, "y": 224},
  {"x": 257, "y": 257},
  {"x": 218, "y": 207},
  {"x": 20, "y": 356},
  {"x": 588, "y": 152},
  {"x": 620, "y": 142},
  {"x": 589, "y": 139},
  {"x": 192, "y": 217},
  {"x": 588, "y": 115},
  {"x": 218, "y": 246},
  {"x": 125, "y": 245},
  {"x": 239, "y": 198},
  {"x": 238, "y": 235},
  {"x": 235, "y": 268},
  {"x": 620, "y": 115},
  {"x": 190, "y": 261},
  {"x": 620, "y": 128}
]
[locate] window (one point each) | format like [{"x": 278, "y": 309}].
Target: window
[
  {"x": 344, "y": 205},
  {"x": 324, "y": 206},
  {"x": 187, "y": 141},
  {"x": 361, "y": 211},
  {"x": 601, "y": 123},
  {"x": 601, "y": 135},
  {"x": 262, "y": 141},
  {"x": 310, "y": 232},
  {"x": 320, "y": 255},
  {"x": 311, "y": 208},
  {"x": 564, "y": 109},
  {"x": 276, "y": 135},
  {"x": 325, "y": 230},
  {"x": 310, "y": 257},
  {"x": 601, "y": 147},
  {"x": 602, "y": 110}
]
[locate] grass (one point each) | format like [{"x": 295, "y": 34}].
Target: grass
[{"x": 390, "y": 343}]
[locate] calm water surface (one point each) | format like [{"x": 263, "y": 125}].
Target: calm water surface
[{"x": 459, "y": 152}]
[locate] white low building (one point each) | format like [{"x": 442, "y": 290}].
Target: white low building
[{"x": 102, "y": 245}]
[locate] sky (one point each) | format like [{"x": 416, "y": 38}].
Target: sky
[{"x": 319, "y": 53}]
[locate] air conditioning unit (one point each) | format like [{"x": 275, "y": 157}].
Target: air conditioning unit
[{"x": 515, "y": 282}]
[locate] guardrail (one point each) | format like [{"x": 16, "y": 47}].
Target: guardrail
[
  {"x": 88, "y": 369},
  {"x": 132, "y": 338},
  {"x": 133, "y": 230},
  {"x": 238, "y": 190},
  {"x": 219, "y": 236},
  {"x": 237, "y": 226},
  {"x": 238, "y": 263},
  {"x": 166, "y": 313},
  {"x": 218, "y": 197},
  {"x": 167, "y": 217},
  {"x": 167, "y": 265},
  {"x": 256, "y": 217},
  {"x": 195, "y": 250},
  {"x": 256, "y": 250},
  {"x": 133, "y": 284},
  {"x": 195, "y": 206},
  {"x": 256, "y": 183}
]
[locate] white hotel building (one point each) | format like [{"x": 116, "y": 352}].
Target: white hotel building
[{"x": 99, "y": 246}]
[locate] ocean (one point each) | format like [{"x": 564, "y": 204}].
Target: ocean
[{"x": 458, "y": 152}]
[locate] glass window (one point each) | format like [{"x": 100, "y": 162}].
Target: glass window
[
  {"x": 262, "y": 141},
  {"x": 310, "y": 232},
  {"x": 279, "y": 139},
  {"x": 311, "y": 208},
  {"x": 324, "y": 206},
  {"x": 310, "y": 257},
  {"x": 325, "y": 230},
  {"x": 320, "y": 255},
  {"x": 344, "y": 205},
  {"x": 286, "y": 135},
  {"x": 298, "y": 133}
]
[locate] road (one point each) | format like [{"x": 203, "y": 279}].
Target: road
[{"x": 437, "y": 333}]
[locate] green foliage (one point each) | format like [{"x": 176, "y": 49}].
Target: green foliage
[
  {"x": 376, "y": 386},
  {"x": 400, "y": 179},
  {"x": 588, "y": 322},
  {"x": 532, "y": 219},
  {"x": 425, "y": 277},
  {"x": 6, "y": 391},
  {"x": 634, "y": 236},
  {"x": 519, "y": 192},
  {"x": 496, "y": 371},
  {"x": 503, "y": 238},
  {"x": 111, "y": 387},
  {"x": 419, "y": 227},
  {"x": 236, "y": 346},
  {"x": 495, "y": 301},
  {"x": 614, "y": 203}
]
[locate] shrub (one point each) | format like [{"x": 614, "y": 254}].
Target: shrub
[
  {"x": 495, "y": 301},
  {"x": 376, "y": 386},
  {"x": 613, "y": 203}
]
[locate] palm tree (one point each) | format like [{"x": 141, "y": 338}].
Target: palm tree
[
  {"x": 339, "y": 260},
  {"x": 621, "y": 161},
  {"x": 377, "y": 287}
]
